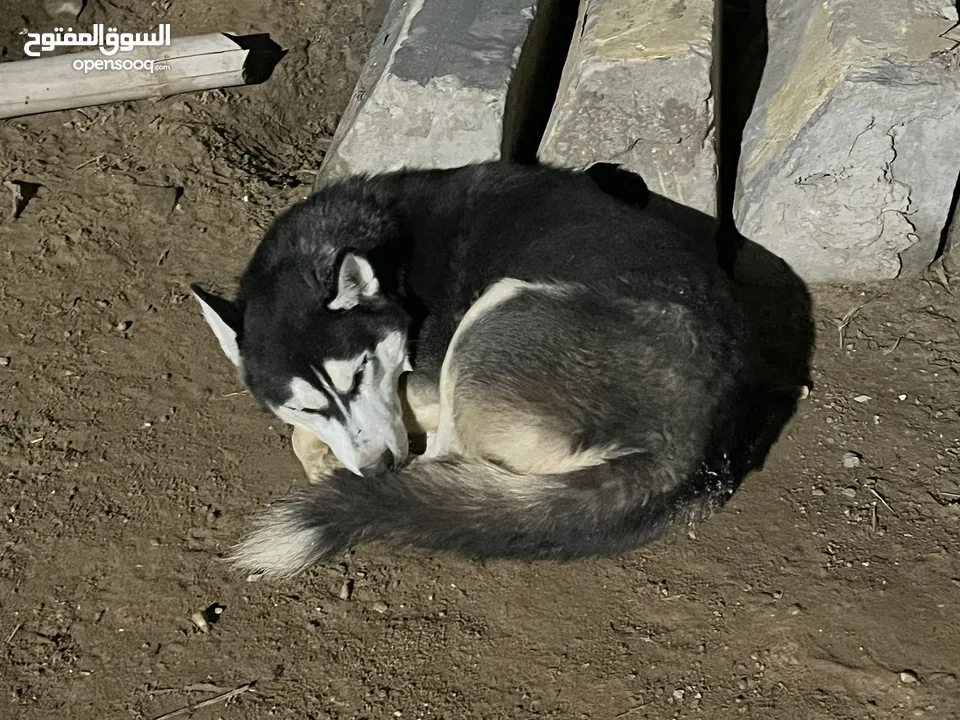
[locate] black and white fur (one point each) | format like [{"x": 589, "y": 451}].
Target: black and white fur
[{"x": 578, "y": 366}]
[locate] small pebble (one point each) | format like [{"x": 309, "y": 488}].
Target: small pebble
[
  {"x": 817, "y": 492},
  {"x": 902, "y": 397},
  {"x": 862, "y": 398},
  {"x": 851, "y": 460},
  {"x": 795, "y": 609},
  {"x": 849, "y": 492},
  {"x": 908, "y": 676},
  {"x": 346, "y": 590},
  {"x": 4, "y": 361},
  {"x": 380, "y": 607}
]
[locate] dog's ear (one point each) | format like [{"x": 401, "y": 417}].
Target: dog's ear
[
  {"x": 224, "y": 318},
  {"x": 355, "y": 281}
]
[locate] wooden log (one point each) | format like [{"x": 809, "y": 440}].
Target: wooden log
[{"x": 189, "y": 64}]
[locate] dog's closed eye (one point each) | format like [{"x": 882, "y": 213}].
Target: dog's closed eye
[
  {"x": 345, "y": 375},
  {"x": 313, "y": 411}
]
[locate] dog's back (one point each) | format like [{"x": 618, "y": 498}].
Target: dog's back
[{"x": 474, "y": 225}]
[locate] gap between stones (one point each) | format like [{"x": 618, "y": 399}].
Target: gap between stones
[{"x": 536, "y": 81}]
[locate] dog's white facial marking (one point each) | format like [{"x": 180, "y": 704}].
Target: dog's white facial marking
[
  {"x": 306, "y": 397},
  {"x": 345, "y": 374},
  {"x": 358, "y": 429}
]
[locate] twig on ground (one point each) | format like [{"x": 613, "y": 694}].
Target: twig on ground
[
  {"x": 191, "y": 707},
  {"x": 15, "y": 631},
  {"x": 845, "y": 320},
  {"x": 88, "y": 162},
  {"x": 893, "y": 347},
  {"x": 879, "y": 497},
  {"x": 632, "y": 710},
  {"x": 195, "y": 687}
]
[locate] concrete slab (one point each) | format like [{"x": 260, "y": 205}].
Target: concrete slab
[
  {"x": 852, "y": 153},
  {"x": 637, "y": 91},
  {"x": 434, "y": 91}
]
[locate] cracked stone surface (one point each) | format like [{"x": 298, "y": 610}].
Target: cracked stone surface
[
  {"x": 852, "y": 152},
  {"x": 636, "y": 90},
  {"x": 433, "y": 92}
]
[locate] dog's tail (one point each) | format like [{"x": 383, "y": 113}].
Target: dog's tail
[{"x": 482, "y": 510}]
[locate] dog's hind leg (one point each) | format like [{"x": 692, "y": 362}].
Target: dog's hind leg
[
  {"x": 487, "y": 420},
  {"x": 544, "y": 379},
  {"x": 445, "y": 442}
]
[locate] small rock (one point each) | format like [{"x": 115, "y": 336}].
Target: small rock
[
  {"x": 849, "y": 492},
  {"x": 346, "y": 590},
  {"x": 795, "y": 609},
  {"x": 63, "y": 9},
  {"x": 817, "y": 492},
  {"x": 380, "y": 607},
  {"x": 901, "y": 397},
  {"x": 4, "y": 361},
  {"x": 678, "y": 694},
  {"x": 862, "y": 398},
  {"x": 851, "y": 460},
  {"x": 203, "y": 619},
  {"x": 156, "y": 199},
  {"x": 365, "y": 595},
  {"x": 908, "y": 676}
]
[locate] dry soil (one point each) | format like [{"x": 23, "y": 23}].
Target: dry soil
[{"x": 131, "y": 458}]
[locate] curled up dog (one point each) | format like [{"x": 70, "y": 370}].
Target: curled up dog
[{"x": 576, "y": 367}]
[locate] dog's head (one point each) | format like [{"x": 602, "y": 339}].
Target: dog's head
[{"x": 323, "y": 351}]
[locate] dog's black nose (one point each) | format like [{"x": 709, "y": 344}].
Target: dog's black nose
[{"x": 385, "y": 464}]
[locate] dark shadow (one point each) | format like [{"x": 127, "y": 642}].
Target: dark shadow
[
  {"x": 949, "y": 232},
  {"x": 263, "y": 57},
  {"x": 742, "y": 29},
  {"x": 779, "y": 310},
  {"x": 536, "y": 80},
  {"x": 23, "y": 193},
  {"x": 775, "y": 300}
]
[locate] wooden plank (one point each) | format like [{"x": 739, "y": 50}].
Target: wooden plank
[{"x": 189, "y": 64}]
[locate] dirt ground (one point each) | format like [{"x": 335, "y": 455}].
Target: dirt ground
[{"x": 131, "y": 459}]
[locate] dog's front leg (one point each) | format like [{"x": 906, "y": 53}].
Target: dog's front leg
[
  {"x": 315, "y": 455},
  {"x": 421, "y": 405}
]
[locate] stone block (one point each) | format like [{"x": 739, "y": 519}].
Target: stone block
[
  {"x": 637, "y": 91},
  {"x": 852, "y": 151},
  {"x": 433, "y": 93}
]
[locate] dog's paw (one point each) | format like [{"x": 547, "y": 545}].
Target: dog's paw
[{"x": 314, "y": 455}]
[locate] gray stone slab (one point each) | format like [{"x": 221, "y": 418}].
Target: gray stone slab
[
  {"x": 636, "y": 90},
  {"x": 852, "y": 152},
  {"x": 434, "y": 90}
]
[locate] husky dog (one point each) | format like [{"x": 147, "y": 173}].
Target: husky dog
[{"x": 576, "y": 364}]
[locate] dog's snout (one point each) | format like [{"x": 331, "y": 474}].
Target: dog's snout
[{"x": 385, "y": 464}]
